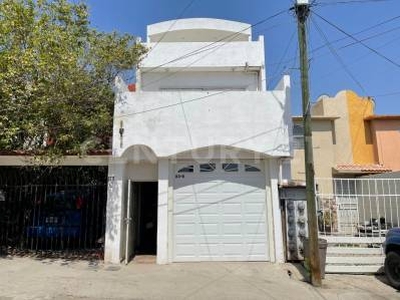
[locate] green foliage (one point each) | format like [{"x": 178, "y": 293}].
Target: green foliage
[{"x": 56, "y": 77}]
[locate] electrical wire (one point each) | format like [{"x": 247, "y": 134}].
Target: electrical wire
[
  {"x": 349, "y": 2},
  {"x": 361, "y": 57},
  {"x": 344, "y": 38},
  {"x": 172, "y": 25},
  {"x": 183, "y": 102},
  {"x": 284, "y": 54},
  {"x": 358, "y": 41},
  {"x": 372, "y": 37},
  {"x": 180, "y": 69},
  {"x": 388, "y": 94},
  {"x": 230, "y": 36},
  {"x": 336, "y": 55}
]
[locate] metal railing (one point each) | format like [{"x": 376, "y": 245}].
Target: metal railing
[
  {"x": 359, "y": 207},
  {"x": 57, "y": 212}
]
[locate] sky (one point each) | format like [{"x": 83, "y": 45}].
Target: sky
[{"x": 360, "y": 39}]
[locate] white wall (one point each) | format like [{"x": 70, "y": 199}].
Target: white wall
[
  {"x": 195, "y": 29},
  {"x": 174, "y": 122},
  {"x": 274, "y": 214},
  {"x": 142, "y": 172},
  {"x": 114, "y": 247},
  {"x": 162, "y": 210},
  {"x": 207, "y": 80},
  {"x": 232, "y": 54}
]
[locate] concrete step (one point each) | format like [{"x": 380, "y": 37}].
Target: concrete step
[
  {"x": 335, "y": 251},
  {"x": 356, "y": 260},
  {"x": 354, "y": 269},
  {"x": 144, "y": 259},
  {"x": 352, "y": 240}
]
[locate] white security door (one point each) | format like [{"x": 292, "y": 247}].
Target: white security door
[{"x": 219, "y": 212}]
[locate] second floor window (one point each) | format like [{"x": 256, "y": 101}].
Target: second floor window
[{"x": 298, "y": 136}]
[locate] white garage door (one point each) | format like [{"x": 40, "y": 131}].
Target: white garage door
[{"x": 219, "y": 212}]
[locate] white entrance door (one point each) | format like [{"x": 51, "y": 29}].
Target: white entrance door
[{"x": 219, "y": 212}]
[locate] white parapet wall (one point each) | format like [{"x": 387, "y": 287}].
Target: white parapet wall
[{"x": 174, "y": 122}]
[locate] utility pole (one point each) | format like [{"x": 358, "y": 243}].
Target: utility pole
[{"x": 302, "y": 9}]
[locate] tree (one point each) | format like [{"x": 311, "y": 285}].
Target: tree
[{"x": 56, "y": 77}]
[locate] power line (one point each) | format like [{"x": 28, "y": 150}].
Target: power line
[
  {"x": 172, "y": 25},
  {"x": 387, "y": 94},
  {"x": 336, "y": 55},
  {"x": 230, "y": 36},
  {"x": 284, "y": 54},
  {"x": 372, "y": 37},
  {"x": 359, "y": 41},
  {"x": 215, "y": 48},
  {"x": 344, "y": 38},
  {"x": 186, "y": 101},
  {"x": 349, "y": 2},
  {"x": 359, "y": 32},
  {"x": 361, "y": 57}
]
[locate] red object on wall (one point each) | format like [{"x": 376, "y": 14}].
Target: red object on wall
[{"x": 132, "y": 87}]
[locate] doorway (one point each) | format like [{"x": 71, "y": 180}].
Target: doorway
[
  {"x": 141, "y": 219},
  {"x": 145, "y": 195}
]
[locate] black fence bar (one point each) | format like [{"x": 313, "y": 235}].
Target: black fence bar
[{"x": 53, "y": 211}]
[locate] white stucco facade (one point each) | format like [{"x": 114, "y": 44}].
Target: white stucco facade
[{"x": 201, "y": 99}]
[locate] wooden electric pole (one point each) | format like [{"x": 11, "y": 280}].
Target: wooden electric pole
[{"x": 302, "y": 9}]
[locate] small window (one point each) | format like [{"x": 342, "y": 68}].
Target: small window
[
  {"x": 298, "y": 136},
  {"x": 187, "y": 169},
  {"x": 2, "y": 196},
  {"x": 204, "y": 168},
  {"x": 250, "y": 168},
  {"x": 230, "y": 167}
]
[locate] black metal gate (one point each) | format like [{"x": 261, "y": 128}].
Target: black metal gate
[{"x": 53, "y": 211}]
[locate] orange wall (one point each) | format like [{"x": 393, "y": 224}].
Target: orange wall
[
  {"x": 361, "y": 139},
  {"x": 387, "y": 140}
]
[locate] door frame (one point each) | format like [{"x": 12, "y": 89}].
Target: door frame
[{"x": 132, "y": 218}]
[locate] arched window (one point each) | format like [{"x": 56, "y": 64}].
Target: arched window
[
  {"x": 230, "y": 167},
  {"x": 186, "y": 169},
  {"x": 250, "y": 168},
  {"x": 206, "y": 168}
]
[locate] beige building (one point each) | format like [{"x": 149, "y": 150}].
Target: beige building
[{"x": 343, "y": 142}]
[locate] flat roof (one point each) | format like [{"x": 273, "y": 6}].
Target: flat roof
[
  {"x": 382, "y": 117},
  {"x": 198, "y": 30},
  {"x": 316, "y": 118}
]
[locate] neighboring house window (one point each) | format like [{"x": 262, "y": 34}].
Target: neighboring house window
[
  {"x": 230, "y": 167},
  {"x": 250, "y": 168},
  {"x": 207, "y": 167},
  {"x": 298, "y": 136},
  {"x": 187, "y": 169}
]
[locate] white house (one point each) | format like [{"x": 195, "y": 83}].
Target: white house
[{"x": 198, "y": 148}]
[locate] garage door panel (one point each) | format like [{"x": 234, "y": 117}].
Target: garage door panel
[
  {"x": 186, "y": 250},
  {"x": 185, "y": 229},
  {"x": 255, "y": 228},
  {"x": 231, "y": 228},
  {"x": 220, "y": 217},
  {"x": 208, "y": 229},
  {"x": 235, "y": 249},
  {"x": 229, "y": 208},
  {"x": 209, "y": 249},
  {"x": 253, "y": 208},
  {"x": 184, "y": 218}
]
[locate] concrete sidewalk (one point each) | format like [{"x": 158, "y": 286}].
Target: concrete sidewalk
[{"x": 27, "y": 278}]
